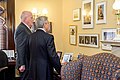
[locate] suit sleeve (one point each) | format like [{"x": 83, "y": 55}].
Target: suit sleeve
[
  {"x": 21, "y": 43},
  {"x": 53, "y": 55}
]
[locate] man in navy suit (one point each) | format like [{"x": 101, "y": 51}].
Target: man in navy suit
[
  {"x": 43, "y": 56},
  {"x": 21, "y": 37}
]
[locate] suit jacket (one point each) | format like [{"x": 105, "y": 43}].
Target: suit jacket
[
  {"x": 43, "y": 56},
  {"x": 21, "y": 43}
]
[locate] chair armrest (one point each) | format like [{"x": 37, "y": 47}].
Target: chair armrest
[
  {"x": 71, "y": 70},
  {"x": 3, "y": 68}
]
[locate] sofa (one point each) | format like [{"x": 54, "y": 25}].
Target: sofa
[{"x": 101, "y": 66}]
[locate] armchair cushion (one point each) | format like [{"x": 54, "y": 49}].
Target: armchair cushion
[
  {"x": 100, "y": 66},
  {"x": 116, "y": 75},
  {"x": 71, "y": 71}
]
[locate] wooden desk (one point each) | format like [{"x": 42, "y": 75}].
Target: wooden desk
[{"x": 10, "y": 72}]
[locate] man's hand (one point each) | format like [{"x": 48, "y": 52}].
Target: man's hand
[{"x": 22, "y": 68}]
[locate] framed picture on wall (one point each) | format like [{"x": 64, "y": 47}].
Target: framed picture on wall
[
  {"x": 87, "y": 14},
  {"x": 73, "y": 34},
  {"x": 101, "y": 13},
  {"x": 108, "y": 35},
  {"x": 50, "y": 31},
  {"x": 76, "y": 14},
  {"x": 90, "y": 40}
]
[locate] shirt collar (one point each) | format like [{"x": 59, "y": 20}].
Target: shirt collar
[
  {"x": 26, "y": 25},
  {"x": 42, "y": 29}
]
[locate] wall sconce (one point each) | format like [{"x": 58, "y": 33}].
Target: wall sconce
[
  {"x": 116, "y": 6},
  {"x": 44, "y": 12},
  {"x": 35, "y": 12},
  {"x": 117, "y": 37}
]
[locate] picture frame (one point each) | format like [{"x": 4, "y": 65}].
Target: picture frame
[
  {"x": 76, "y": 14},
  {"x": 87, "y": 14},
  {"x": 67, "y": 57},
  {"x": 108, "y": 35},
  {"x": 50, "y": 31},
  {"x": 90, "y": 40},
  {"x": 73, "y": 34},
  {"x": 101, "y": 13}
]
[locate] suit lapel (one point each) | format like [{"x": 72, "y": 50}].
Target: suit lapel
[{"x": 27, "y": 29}]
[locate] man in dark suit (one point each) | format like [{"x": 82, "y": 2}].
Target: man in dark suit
[
  {"x": 43, "y": 56},
  {"x": 21, "y": 37}
]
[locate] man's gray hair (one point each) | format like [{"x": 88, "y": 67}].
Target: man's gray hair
[
  {"x": 40, "y": 21},
  {"x": 25, "y": 14}
]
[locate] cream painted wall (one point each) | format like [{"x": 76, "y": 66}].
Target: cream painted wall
[
  {"x": 54, "y": 14},
  {"x": 60, "y": 13},
  {"x": 68, "y": 6}
]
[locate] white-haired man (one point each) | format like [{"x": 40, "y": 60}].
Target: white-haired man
[{"x": 21, "y": 43}]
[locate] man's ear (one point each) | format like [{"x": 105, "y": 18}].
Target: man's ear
[{"x": 44, "y": 26}]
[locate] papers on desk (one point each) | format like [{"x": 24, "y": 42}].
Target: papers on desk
[{"x": 9, "y": 53}]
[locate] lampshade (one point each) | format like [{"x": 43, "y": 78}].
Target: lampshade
[
  {"x": 116, "y": 5},
  {"x": 44, "y": 11},
  {"x": 34, "y": 11}
]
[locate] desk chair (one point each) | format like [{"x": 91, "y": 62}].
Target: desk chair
[{"x": 3, "y": 64}]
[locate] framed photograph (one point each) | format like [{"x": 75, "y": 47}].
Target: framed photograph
[
  {"x": 76, "y": 14},
  {"x": 50, "y": 31},
  {"x": 101, "y": 13},
  {"x": 73, "y": 34},
  {"x": 67, "y": 57},
  {"x": 108, "y": 34},
  {"x": 88, "y": 40},
  {"x": 81, "y": 39},
  {"x": 87, "y": 14}
]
